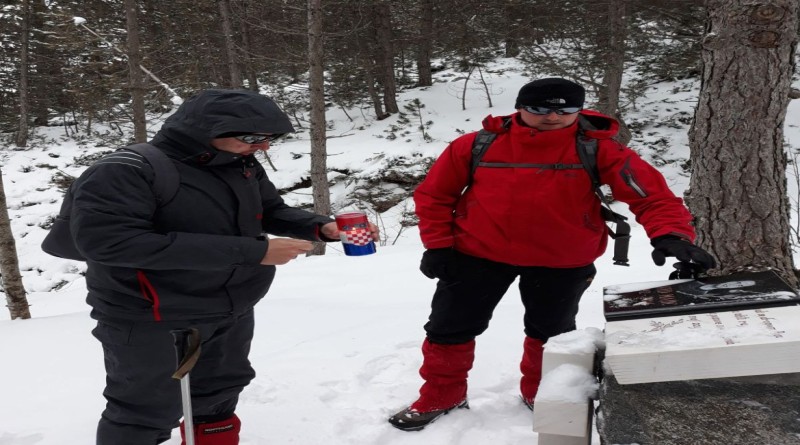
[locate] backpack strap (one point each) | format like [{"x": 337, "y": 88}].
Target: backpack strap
[
  {"x": 587, "y": 153},
  {"x": 166, "y": 178},
  {"x": 482, "y": 142}
]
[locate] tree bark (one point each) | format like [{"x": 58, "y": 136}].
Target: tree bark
[
  {"x": 9, "y": 264},
  {"x": 425, "y": 44},
  {"x": 385, "y": 56},
  {"x": 250, "y": 71},
  {"x": 21, "y": 139},
  {"x": 512, "y": 11},
  {"x": 230, "y": 45},
  {"x": 135, "y": 71},
  {"x": 368, "y": 66},
  {"x": 45, "y": 87},
  {"x": 608, "y": 100},
  {"x": 317, "y": 124},
  {"x": 738, "y": 188}
]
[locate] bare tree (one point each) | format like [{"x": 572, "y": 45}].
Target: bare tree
[
  {"x": 134, "y": 71},
  {"x": 9, "y": 264},
  {"x": 513, "y": 12},
  {"x": 230, "y": 45},
  {"x": 738, "y": 186},
  {"x": 614, "y": 64},
  {"x": 425, "y": 43},
  {"x": 22, "y": 132},
  {"x": 247, "y": 47},
  {"x": 316, "y": 87},
  {"x": 368, "y": 68},
  {"x": 382, "y": 21}
]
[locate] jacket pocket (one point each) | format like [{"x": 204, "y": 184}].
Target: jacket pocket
[
  {"x": 461, "y": 207},
  {"x": 113, "y": 333}
]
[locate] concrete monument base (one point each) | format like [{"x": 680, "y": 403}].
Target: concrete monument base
[{"x": 753, "y": 410}]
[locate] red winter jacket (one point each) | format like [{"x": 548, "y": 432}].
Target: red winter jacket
[{"x": 540, "y": 217}]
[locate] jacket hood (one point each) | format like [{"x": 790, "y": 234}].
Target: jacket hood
[
  {"x": 212, "y": 113},
  {"x": 596, "y": 125}
]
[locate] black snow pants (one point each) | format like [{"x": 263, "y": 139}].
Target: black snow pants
[
  {"x": 461, "y": 308},
  {"x": 144, "y": 401}
]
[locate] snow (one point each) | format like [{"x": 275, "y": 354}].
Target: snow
[
  {"x": 568, "y": 383},
  {"x": 614, "y": 290},
  {"x": 579, "y": 341},
  {"x": 337, "y": 343}
]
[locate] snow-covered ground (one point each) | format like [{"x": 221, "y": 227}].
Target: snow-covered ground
[{"x": 337, "y": 344}]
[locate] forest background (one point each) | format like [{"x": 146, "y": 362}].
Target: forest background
[
  {"x": 110, "y": 71},
  {"x": 701, "y": 87}
]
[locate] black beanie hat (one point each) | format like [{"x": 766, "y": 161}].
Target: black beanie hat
[{"x": 552, "y": 92}]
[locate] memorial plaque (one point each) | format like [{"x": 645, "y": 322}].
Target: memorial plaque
[
  {"x": 705, "y": 345},
  {"x": 713, "y": 294}
]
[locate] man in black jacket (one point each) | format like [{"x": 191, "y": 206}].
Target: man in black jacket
[{"x": 198, "y": 261}]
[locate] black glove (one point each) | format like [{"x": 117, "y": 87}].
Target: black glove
[
  {"x": 439, "y": 263},
  {"x": 684, "y": 251}
]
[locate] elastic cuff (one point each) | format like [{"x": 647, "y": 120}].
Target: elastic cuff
[
  {"x": 254, "y": 252},
  {"x": 672, "y": 236},
  {"x": 321, "y": 236}
]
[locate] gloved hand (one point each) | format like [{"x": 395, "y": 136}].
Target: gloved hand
[
  {"x": 684, "y": 251},
  {"x": 439, "y": 263}
]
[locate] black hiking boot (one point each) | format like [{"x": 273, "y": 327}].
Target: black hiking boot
[{"x": 413, "y": 420}]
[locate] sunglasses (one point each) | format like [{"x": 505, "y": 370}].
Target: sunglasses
[
  {"x": 547, "y": 110},
  {"x": 258, "y": 138}
]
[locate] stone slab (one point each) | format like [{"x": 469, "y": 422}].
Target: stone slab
[{"x": 754, "y": 410}]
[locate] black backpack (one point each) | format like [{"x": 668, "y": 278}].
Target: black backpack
[
  {"x": 59, "y": 241},
  {"x": 587, "y": 153}
]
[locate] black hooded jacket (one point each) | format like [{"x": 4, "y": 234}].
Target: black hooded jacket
[{"x": 198, "y": 256}]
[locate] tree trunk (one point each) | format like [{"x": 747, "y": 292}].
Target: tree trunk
[
  {"x": 21, "y": 139},
  {"x": 250, "y": 71},
  {"x": 608, "y": 96},
  {"x": 372, "y": 92},
  {"x": 385, "y": 55},
  {"x": 9, "y": 264},
  {"x": 738, "y": 186},
  {"x": 135, "y": 72},
  {"x": 425, "y": 44},
  {"x": 317, "y": 124},
  {"x": 512, "y": 11},
  {"x": 230, "y": 46},
  {"x": 367, "y": 66},
  {"x": 45, "y": 87}
]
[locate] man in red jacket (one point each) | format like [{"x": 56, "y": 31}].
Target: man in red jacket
[{"x": 534, "y": 216}]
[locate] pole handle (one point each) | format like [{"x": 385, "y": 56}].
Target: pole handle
[{"x": 187, "y": 349}]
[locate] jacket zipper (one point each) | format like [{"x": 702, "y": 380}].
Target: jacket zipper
[
  {"x": 149, "y": 293},
  {"x": 627, "y": 176}
]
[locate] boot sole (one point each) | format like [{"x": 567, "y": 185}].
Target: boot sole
[
  {"x": 525, "y": 402},
  {"x": 403, "y": 427}
]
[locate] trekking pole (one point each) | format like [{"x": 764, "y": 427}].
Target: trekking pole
[
  {"x": 684, "y": 270},
  {"x": 187, "y": 348}
]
